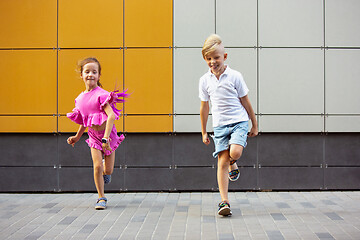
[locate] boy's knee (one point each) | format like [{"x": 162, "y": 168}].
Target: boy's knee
[{"x": 236, "y": 155}]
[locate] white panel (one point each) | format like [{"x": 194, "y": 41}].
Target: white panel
[
  {"x": 189, "y": 66},
  {"x": 194, "y": 21},
  {"x": 342, "y": 123},
  {"x": 291, "y": 81},
  {"x": 287, "y": 23},
  {"x": 292, "y": 123},
  {"x": 190, "y": 123},
  {"x": 342, "y": 81},
  {"x": 342, "y": 22},
  {"x": 236, "y": 22},
  {"x": 245, "y": 61}
]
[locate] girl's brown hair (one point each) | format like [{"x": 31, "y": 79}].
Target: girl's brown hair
[{"x": 85, "y": 61}]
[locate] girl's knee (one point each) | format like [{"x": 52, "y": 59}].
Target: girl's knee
[
  {"x": 108, "y": 171},
  {"x": 98, "y": 168}
]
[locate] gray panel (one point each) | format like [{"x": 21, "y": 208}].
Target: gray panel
[
  {"x": 191, "y": 123},
  {"x": 291, "y": 81},
  {"x": 200, "y": 178},
  {"x": 341, "y": 21},
  {"x": 82, "y": 179},
  {"x": 243, "y": 15},
  {"x": 342, "y": 149},
  {"x": 80, "y": 154},
  {"x": 148, "y": 150},
  {"x": 342, "y": 178},
  {"x": 342, "y": 81},
  {"x": 343, "y": 123},
  {"x": 281, "y": 178},
  {"x": 247, "y": 180},
  {"x": 291, "y": 123},
  {"x": 149, "y": 179},
  {"x": 290, "y": 149},
  {"x": 34, "y": 179},
  {"x": 194, "y": 21},
  {"x": 296, "y": 23},
  {"x": 189, "y": 150},
  {"x": 28, "y": 149}
]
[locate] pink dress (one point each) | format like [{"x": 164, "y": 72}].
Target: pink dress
[{"x": 89, "y": 111}]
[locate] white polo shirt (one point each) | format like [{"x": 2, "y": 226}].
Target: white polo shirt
[{"x": 224, "y": 96}]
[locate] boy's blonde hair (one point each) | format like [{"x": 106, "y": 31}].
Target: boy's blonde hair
[{"x": 211, "y": 44}]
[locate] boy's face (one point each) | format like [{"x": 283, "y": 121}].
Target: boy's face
[{"x": 216, "y": 59}]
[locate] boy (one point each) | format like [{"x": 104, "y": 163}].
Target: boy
[{"x": 231, "y": 110}]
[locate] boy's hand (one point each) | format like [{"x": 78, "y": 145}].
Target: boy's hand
[
  {"x": 72, "y": 140},
  {"x": 206, "y": 139},
  {"x": 253, "y": 132}
]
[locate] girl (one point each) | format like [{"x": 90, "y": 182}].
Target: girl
[{"x": 95, "y": 108}]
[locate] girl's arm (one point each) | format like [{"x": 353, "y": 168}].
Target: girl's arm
[
  {"x": 204, "y": 114},
  {"x": 74, "y": 139},
  {"x": 109, "y": 125},
  {"x": 245, "y": 101}
]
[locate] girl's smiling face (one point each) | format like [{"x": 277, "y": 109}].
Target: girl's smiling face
[{"x": 90, "y": 75}]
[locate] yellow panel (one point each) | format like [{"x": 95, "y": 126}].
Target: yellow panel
[
  {"x": 148, "y": 76},
  {"x": 149, "y": 123},
  {"x": 148, "y": 23},
  {"x": 70, "y": 83},
  {"x": 90, "y": 23},
  {"x": 28, "y": 81},
  {"x": 28, "y": 23},
  {"x": 28, "y": 124},
  {"x": 66, "y": 125}
]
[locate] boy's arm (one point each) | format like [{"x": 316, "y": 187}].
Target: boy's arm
[
  {"x": 204, "y": 114},
  {"x": 245, "y": 101}
]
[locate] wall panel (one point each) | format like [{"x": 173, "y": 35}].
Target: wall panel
[
  {"x": 148, "y": 76},
  {"x": 193, "y": 22},
  {"x": 148, "y": 23},
  {"x": 291, "y": 123},
  {"x": 30, "y": 82},
  {"x": 340, "y": 17},
  {"x": 236, "y": 22},
  {"x": 28, "y": 24},
  {"x": 148, "y": 123},
  {"x": 297, "y": 23},
  {"x": 90, "y": 23}
]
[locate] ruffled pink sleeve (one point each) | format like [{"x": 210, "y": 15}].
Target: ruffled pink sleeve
[
  {"x": 75, "y": 116},
  {"x": 113, "y": 98}
]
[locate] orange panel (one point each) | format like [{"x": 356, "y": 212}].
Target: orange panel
[
  {"x": 66, "y": 125},
  {"x": 70, "y": 83},
  {"x": 28, "y": 124},
  {"x": 148, "y": 23},
  {"x": 29, "y": 78},
  {"x": 90, "y": 23},
  {"x": 148, "y": 76},
  {"x": 28, "y": 23},
  {"x": 149, "y": 123}
]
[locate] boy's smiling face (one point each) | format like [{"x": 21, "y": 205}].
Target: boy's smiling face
[{"x": 216, "y": 59}]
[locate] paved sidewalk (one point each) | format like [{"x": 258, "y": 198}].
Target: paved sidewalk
[{"x": 256, "y": 215}]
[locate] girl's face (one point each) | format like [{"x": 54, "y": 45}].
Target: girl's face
[{"x": 90, "y": 75}]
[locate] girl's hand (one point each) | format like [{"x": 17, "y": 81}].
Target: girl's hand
[
  {"x": 106, "y": 146},
  {"x": 72, "y": 140},
  {"x": 253, "y": 132},
  {"x": 205, "y": 139}
]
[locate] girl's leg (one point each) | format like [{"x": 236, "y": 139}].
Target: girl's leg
[
  {"x": 98, "y": 171},
  {"x": 222, "y": 174},
  {"x": 109, "y": 164},
  {"x": 235, "y": 154}
]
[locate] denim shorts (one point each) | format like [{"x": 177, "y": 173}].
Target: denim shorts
[{"x": 224, "y": 136}]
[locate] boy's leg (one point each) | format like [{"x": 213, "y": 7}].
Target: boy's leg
[
  {"x": 98, "y": 171},
  {"x": 222, "y": 174},
  {"x": 235, "y": 154}
]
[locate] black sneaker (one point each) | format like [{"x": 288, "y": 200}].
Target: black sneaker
[{"x": 224, "y": 209}]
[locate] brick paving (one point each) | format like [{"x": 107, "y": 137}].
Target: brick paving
[{"x": 256, "y": 215}]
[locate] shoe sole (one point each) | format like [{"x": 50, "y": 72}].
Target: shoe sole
[
  {"x": 225, "y": 211},
  {"x": 99, "y": 208}
]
